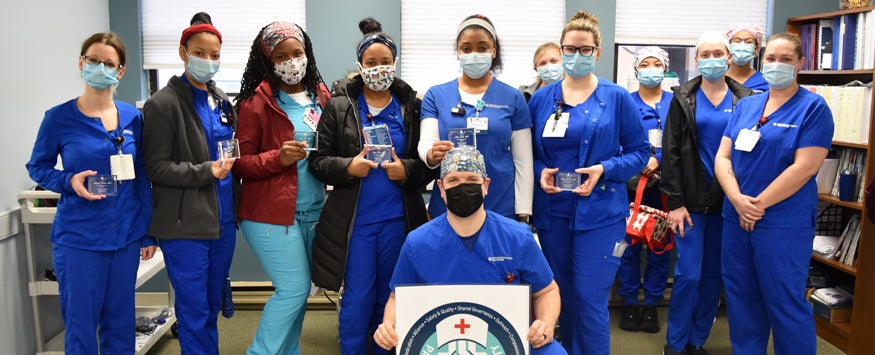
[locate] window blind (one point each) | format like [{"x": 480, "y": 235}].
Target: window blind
[{"x": 681, "y": 22}]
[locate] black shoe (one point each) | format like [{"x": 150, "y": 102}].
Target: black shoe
[
  {"x": 695, "y": 350},
  {"x": 667, "y": 350},
  {"x": 631, "y": 319},
  {"x": 649, "y": 320}
]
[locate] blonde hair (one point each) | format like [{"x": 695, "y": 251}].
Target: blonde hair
[
  {"x": 584, "y": 21},
  {"x": 543, "y": 48}
]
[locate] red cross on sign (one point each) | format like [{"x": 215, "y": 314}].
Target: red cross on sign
[{"x": 462, "y": 326}]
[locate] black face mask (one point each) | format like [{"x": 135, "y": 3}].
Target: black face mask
[{"x": 464, "y": 199}]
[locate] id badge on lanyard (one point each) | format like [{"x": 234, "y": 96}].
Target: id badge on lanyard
[
  {"x": 479, "y": 124},
  {"x": 747, "y": 139},
  {"x": 122, "y": 165}
]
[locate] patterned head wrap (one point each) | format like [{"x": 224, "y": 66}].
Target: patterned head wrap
[
  {"x": 378, "y": 37},
  {"x": 195, "y": 29},
  {"x": 749, "y": 27},
  {"x": 464, "y": 158},
  {"x": 651, "y": 51},
  {"x": 277, "y": 32}
]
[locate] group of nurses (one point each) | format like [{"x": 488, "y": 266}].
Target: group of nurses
[
  {"x": 588, "y": 126},
  {"x": 651, "y": 64},
  {"x": 98, "y": 236},
  {"x": 769, "y": 154}
]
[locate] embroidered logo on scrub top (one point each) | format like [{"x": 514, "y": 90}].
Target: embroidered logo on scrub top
[
  {"x": 499, "y": 258},
  {"x": 784, "y": 125}
]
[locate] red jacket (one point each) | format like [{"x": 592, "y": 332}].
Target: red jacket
[{"x": 269, "y": 188}]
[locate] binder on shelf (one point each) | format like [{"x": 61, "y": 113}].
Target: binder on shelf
[
  {"x": 825, "y": 44},
  {"x": 849, "y": 35}
]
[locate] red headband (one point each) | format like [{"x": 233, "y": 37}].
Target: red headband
[{"x": 195, "y": 29}]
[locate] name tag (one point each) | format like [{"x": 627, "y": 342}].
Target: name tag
[
  {"x": 479, "y": 124},
  {"x": 122, "y": 166},
  {"x": 747, "y": 140},
  {"x": 556, "y": 127},
  {"x": 655, "y": 137}
]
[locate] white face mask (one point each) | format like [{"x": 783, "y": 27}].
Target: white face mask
[
  {"x": 292, "y": 70},
  {"x": 378, "y": 78},
  {"x": 475, "y": 65}
]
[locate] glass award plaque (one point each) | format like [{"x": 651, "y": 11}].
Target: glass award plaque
[
  {"x": 309, "y": 137},
  {"x": 378, "y": 143},
  {"x": 102, "y": 184},
  {"x": 229, "y": 149},
  {"x": 567, "y": 180},
  {"x": 462, "y": 137}
]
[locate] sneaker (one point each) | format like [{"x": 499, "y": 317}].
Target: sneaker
[
  {"x": 649, "y": 320},
  {"x": 695, "y": 350},
  {"x": 669, "y": 351},
  {"x": 631, "y": 319}
]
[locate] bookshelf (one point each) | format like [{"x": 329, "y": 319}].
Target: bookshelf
[{"x": 854, "y": 337}]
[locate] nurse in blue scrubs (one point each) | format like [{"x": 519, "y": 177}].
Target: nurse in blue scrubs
[
  {"x": 697, "y": 117},
  {"x": 770, "y": 152},
  {"x": 745, "y": 41},
  {"x": 589, "y": 126},
  {"x": 496, "y": 110},
  {"x": 96, "y": 238},
  {"x": 651, "y": 64}
]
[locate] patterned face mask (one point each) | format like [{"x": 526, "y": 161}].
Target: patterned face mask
[
  {"x": 292, "y": 70},
  {"x": 377, "y": 78}
]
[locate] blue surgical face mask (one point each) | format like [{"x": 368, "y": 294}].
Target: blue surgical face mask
[
  {"x": 577, "y": 65},
  {"x": 98, "y": 77},
  {"x": 779, "y": 75},
  {"x": 475, "y": 65},
  {"x": 650, "y": 77},
  {"x": 550, "y": 73},
  {"x": 742, "y": 53},
  {"x": 201, "y": 70},
  {"x": 712, "y": 69}
]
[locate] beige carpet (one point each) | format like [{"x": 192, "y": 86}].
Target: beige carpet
[{"x": 319, "y": 336}]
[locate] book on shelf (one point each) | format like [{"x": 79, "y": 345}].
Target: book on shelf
[
  {"x": 844, "y": 42},
  {"x": 824, "y": 39},
  {"x": 826, "y": 176},
  {"x": 845, "y": 248},
  {"x": 824, "y": 245},
  {"x": 835, "y": 297},
  {"x": 850, "y": 159},
  {"x": 831, "y": 314}
]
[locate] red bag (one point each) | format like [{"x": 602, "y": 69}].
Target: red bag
[{"x": 648, "y": 225}]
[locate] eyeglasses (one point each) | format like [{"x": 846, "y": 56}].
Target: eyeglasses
[
  {"x": 96, "y": 61},
  {"x": 586, "y": 51}
]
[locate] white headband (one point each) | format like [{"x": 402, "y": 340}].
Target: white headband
[{"x": 479, "y": 22}]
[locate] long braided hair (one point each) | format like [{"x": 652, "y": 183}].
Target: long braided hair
[{"x": 259, "y": 68}]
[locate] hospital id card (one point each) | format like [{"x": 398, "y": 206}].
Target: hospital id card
[
  {"x": 555, "y": 127},
  {"x": 655, "y": 137},
  {"x": 747, "y": 140},
  {"x": 122, "y": 166},
  {"x": 479, "y": 124}
]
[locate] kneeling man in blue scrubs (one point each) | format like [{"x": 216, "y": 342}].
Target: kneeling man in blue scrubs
[{"x": 470, "y": 245}]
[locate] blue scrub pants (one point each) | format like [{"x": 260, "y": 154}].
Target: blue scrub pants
[
  {"x": 285, "y": 254},
  {"x": 765, "y": 272},
  {"x": 371, "y": 258},
  {"x": 553, "y": 348},
  {"x": 655, "y": 275},
  {"x": 584, "y": 268},
  {"x": 97, "y": 298},
  {"x": 197, "y": 271},
  {"x": 695, "y": 293}
]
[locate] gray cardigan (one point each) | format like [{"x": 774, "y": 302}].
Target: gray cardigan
[{"x": 178, "y": 164}]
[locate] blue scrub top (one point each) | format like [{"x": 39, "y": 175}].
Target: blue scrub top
[
  {"x": 215, "y": 131},
  {"x": 612, "y": 136},
  {"x": 565, "y": 151},
  {"x": 505, "y": 253},
  {"x": 84, "y": 144},
  {"x": 381, "y": 199},
  {"x": 506, "y": 110},
  {"x": 710, "y": 123},
  {"x": 757, "y": 83},
  {"x": 311, "y": 191},
  {"x": 653, "y": 118},
  {"x": 803, "y": 121}
]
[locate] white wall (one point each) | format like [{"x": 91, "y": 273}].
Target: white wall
[{"x": 41, "y": 43}]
